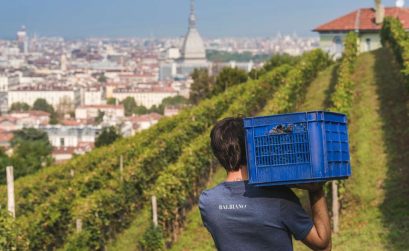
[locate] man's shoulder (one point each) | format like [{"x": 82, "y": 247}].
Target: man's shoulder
[
  {"x": 207, "y": 196},
  {"x": 211, "y": 192}
]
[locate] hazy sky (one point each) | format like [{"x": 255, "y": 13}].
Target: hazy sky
[{"x": 119, "y": 18}]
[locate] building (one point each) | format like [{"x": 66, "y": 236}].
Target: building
[
  {"x": 147, "y": 97},
  {"x": 367, "y": 22},
  {"x": 22, "y": 40},
  {"x": 87, "y": 112},
  {"x": 71, "y": 136},
  {"x": 143, "y": 122},
  {"x": 54, "y": 95},
  {"x": 192, "y": 54},
  {"x": 92, "y": 96}
]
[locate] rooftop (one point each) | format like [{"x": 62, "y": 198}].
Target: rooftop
[{"x": 364, "y": 20}]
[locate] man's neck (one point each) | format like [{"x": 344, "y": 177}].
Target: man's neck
[{"x": 239, "y": 175}]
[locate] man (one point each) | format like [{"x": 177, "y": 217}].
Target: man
[{"x": 240, "y": 216}]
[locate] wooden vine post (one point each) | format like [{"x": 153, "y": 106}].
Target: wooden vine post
[
  {"x": 154, "y": 211},
  {"x": 121, "y": 166},
  {"x": 335, "y": 206},
  {"x": 10, "y": 191}
]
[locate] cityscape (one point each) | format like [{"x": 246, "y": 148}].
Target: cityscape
[
  {"x": 86, "y": 81},
  {"x": 210, "y": 125}
]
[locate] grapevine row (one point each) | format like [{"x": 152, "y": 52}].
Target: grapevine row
[
  {"x": 95, "y": 233},
  {"x": 178, "y": 186},
  {"x": 394, "y": 35}
]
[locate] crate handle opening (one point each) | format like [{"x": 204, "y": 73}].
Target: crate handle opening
[{"x": 281, "y": 129}]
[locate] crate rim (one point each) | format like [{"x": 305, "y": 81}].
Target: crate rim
[{"x": 284, "y": 114}]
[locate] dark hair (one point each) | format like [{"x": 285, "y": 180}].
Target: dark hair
[{"x": 227, "y": 142}]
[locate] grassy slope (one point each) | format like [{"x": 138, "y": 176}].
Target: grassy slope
[{"x": 195, "y": 236}]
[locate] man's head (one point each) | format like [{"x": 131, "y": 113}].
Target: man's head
[{"x": 228, "y": 144}]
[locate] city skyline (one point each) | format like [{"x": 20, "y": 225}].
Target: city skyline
[{"x": 160, "y": 18}]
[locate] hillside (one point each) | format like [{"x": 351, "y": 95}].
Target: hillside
[
  {"x": 97, "y": 202},
  {"x": 375, "y": 213}
]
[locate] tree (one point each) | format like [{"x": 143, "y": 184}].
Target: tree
[
  {"x": 174, "y": 101},
  {"x": 158, "y": 109},
  {"x": 129, "y": 105},
  {"x": 31, "y": 151},
  {"x": 107, "y": 136},
  {"x": 100, "y": 117},
  {"x": 140, "y": 109},
  {"x": 102, "y": 78},
  {"x": 273, "y": 62},
  {"x": 19, "y": 107},
  {"x": 4, "y": 162},
  {"x": 42, "y": 105},
  {"x": 111, "y": 101},
  {"x": 227, "y": 78},
  {"x": 201, "y": 86}
]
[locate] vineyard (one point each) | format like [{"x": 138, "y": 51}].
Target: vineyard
[{"x": 102, "y": 200}]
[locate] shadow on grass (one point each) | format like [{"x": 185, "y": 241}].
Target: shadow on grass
[{"x": 394, "y": 97}]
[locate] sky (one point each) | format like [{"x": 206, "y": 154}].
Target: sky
[{"x": 168, "y": 18}]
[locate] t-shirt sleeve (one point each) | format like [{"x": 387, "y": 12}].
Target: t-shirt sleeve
[
  {"x": 202, "y": 207},
  {"x": 294, "y": 217}
]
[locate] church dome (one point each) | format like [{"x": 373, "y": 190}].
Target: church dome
[{"x": 193, "y": 46}]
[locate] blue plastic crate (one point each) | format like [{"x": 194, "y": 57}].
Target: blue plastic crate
[{"x": 297, "y": 148}]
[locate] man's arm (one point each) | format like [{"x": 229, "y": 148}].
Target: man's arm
[{"x": 319, "y": 237}]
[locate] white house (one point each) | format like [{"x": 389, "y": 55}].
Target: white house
[
  {"x": 366, "y": 22},
  {"x": 147, "y": 97},
  {"x": 53, "y": 96}
]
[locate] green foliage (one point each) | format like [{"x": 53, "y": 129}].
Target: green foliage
[
  {"x": 19, "y": 107},
  {"x": 152, "y": 240},
  {"x": 28, "y": 134},
  {"x": 342, "y": 96},
  {"x": 42, "y": 105},
  {"x": 274, "y": 61},
  {"x": 94, "y": 169},
  {"x": 31, "y": 151},
  {"x": 4, "y": 162},
  {"x": 394, "y": 35},
  {"x": 100, "y": 117},
  {"x": 111, "y": 101},
  {"x": 105, "y": 200},
  {"x": 129, "y": 106},
  {"x": 11, "y": 237},
  {"x": 302, "y": 73},
  {"x": 175, "y": 101},
  {"x": 179, "y": 185},
  {"x": 227, "y": 78},
  {"x": 223, "y": 56},
  {"x": 108, "y": 136},
  {"x": 201, "y": 87}
]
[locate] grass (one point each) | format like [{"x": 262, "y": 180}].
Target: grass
[
  {"x": 394, "y": 98},
  {"x": 128, "y": 239},
  {"x": 361, "y": 221}
]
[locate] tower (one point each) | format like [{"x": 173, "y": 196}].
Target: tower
[
  {"x": 22, "y": 40},
  {"x": 193, "y": 48}
]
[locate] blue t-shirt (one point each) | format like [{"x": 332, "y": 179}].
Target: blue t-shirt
[{"x": 240, "y": 216}]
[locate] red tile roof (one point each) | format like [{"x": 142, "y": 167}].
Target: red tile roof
[{"x": 364, "y": 20}]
